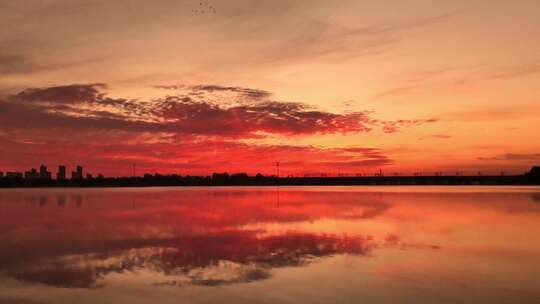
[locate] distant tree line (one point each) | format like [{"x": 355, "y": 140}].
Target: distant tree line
[{"x": 243, "y": 179}]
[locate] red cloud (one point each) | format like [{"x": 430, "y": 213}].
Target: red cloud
[
  {"x": 245, "y": 120},
  {"x": 75, "y": 93},
  {"x": 394, "y": 126},
  {"x": 185, "y": 132},
  {"x": 60, "y": 107},
  {"x": 187, "y": 155}
]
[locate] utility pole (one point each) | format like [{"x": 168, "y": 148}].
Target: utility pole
[{"x": 277, "y": 168}]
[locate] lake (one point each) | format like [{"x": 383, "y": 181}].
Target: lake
[{"x": 270, "y": 245}]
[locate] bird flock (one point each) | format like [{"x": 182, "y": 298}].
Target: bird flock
[{"x": 203, "y": 9}]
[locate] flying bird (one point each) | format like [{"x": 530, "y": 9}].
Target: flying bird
[{"x": 203, "y": 9}]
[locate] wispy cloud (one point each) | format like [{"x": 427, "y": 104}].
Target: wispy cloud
[
  {"x": 394, "y": 126},
  {"x": 436, "y": 136},
  {"x": 524, "y": 70},
  {"x": 451, "y": 77},
  {"x": 320, "y": 39},
  {"x": 513, "y": 157},
  {"x": 17, "y": 64},
  {"x": 493, "y": 113}
]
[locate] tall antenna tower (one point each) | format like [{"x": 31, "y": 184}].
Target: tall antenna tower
[{"x": 277, "y": 168}]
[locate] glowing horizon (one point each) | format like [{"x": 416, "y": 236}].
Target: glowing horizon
[{"x": 194, "y": 87}]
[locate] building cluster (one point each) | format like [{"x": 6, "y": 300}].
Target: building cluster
[{"x": 44, "y": 174}]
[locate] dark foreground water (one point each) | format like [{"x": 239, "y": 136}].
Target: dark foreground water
[{"x": 270, "y": 245}]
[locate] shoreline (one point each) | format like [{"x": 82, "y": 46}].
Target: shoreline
[{"x": 199, "y": 181}]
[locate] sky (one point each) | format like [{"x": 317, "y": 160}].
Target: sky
[{"x": 335, "y": 87}]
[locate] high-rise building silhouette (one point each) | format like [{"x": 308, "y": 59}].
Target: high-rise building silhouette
[
  {"x": 43, "y": 173},
  {"x": 31, "y": 174},
  {"x": 61, "y": 175},
  {"x": 77, "y": 174},
  {"x": 14, "y": 174}
]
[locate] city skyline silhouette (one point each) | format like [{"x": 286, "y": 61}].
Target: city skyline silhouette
[{"x": 43, "y": 178}]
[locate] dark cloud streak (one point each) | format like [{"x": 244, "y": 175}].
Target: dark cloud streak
[
  {"x": 178, "y": 132},
  {"x": 60, "y": 106}
]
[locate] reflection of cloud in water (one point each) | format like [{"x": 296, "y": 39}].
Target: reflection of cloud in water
[
  {"x": 223, "y": 273},
  {"x": 193, "y": 237},
  {"x": 312, "y": 247},
  {"x": 232, "y": 257},
  {"x": 208, "y": 260},
  {"x": 60, "y": 276},
  {"x": 6, "y": 300}
]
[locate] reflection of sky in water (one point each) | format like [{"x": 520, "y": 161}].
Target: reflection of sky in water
[{"x": 337, "y": 244}]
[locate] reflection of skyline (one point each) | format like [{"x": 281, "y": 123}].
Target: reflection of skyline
[{"x": 207, "y": 238}]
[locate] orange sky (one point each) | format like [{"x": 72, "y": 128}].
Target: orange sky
[{"x": 195, "y": 87}]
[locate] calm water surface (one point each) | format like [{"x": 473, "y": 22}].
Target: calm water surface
[{"x": 270, "y": 245}]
